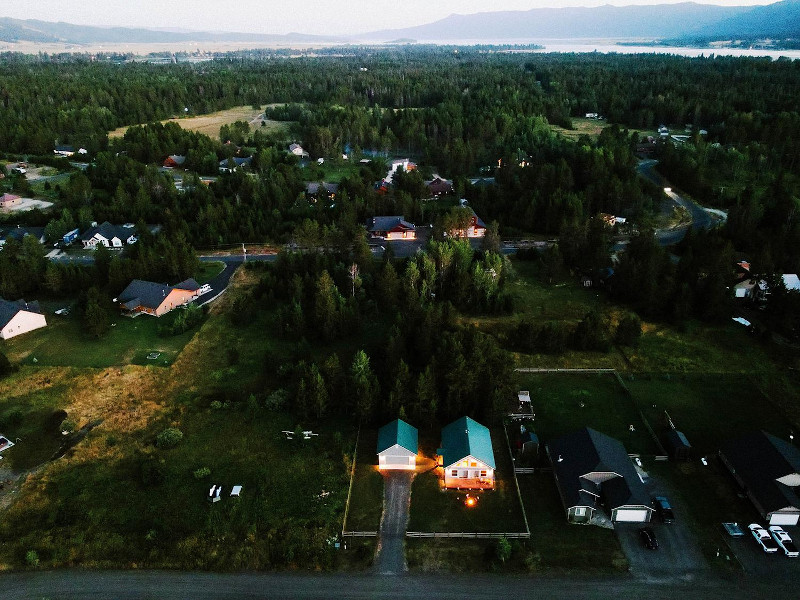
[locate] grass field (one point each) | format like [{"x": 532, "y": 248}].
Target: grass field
[
  {"x": 709, "y": 409},
  {"x": 366, "y": 499},
  {"x": 210, "y": 124},
  {"x": 582, "y": 126},
  {"x": 64, "y": 343},
  {"x": 564, "y": 403}
]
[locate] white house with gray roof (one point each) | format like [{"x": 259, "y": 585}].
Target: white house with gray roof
[{"x": 19, "y": 317}]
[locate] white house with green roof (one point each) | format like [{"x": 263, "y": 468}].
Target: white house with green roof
[
  {"x": 466, "y": 455},
  {"x": 397, "y": 446}
]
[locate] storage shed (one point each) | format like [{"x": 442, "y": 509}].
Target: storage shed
[
  {"x": 679, "y": 447},
  {"x": 397, "y": 446}
]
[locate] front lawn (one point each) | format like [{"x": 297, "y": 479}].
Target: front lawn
[
  {"x": 558, "y": 546},
  {"x": 498, "y": 510}
]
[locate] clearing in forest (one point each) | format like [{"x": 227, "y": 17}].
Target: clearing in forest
[{"x": 210, "y": 124}]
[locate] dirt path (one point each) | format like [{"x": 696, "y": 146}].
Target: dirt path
[{"x": 390, "y": 558}]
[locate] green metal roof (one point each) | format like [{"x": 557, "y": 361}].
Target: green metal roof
[
  {"x": 466, "y": 437},
  {"x": 397, "y": 432}
]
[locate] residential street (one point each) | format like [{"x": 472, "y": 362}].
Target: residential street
[
  {"x": 158, "y": 585},
  {"x": 390, "y": 558}
]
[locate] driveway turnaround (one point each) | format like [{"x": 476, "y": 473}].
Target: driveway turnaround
[{"x": 390, "y": 558}]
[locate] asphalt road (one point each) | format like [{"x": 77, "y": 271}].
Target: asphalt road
[
  {"x": 158, "y": 585},
  {"x": 701, "y": 219},
  {"x": 232, "y": 262},
  {"x": 390, "y": 558}
]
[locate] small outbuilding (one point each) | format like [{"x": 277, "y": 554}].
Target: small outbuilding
[
  {"x": 397, "y": 446},
  {"x": 679, "y": 447}
]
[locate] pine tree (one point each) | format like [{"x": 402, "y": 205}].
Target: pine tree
[{"x": 364, "y": 385}]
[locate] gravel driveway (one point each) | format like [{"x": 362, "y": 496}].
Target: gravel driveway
[{"x": 390, "y": 558}]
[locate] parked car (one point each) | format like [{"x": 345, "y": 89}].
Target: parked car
[
  {"x": 663, "y": 509},
  {"x": 784, "y": 540},
  {"x": 763, "y": 538},
  {"x": 648, "y": 537}
]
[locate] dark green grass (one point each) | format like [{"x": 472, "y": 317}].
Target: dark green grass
[
  {"x": 498, "y": 510},
  {"x": 710, "y": 410},
  {"x": 366, "y": 499},
  {"x": 564, "y": 403}
]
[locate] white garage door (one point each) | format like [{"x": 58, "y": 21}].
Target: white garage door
[
  {"x": 783, "y": 519},
  {"x": 631, "y": 516},
  {"x": 397, "y": 460}
]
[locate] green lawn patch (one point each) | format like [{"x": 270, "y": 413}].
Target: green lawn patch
[
  {"x": 555, "y": 544},
  {"x": 709, "y": 409},
  {"x": 498, "y": 510},
  {"x": 564, "y": 403},
  {"x": 366, "y": 498},
  {"x": 64, "y": 343},
  {"x": 208, "y": 270}
]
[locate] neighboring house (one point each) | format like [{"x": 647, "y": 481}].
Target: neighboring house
[
  {"x": 315, "y": 189},
  {"x": 768, "y": 470},
  {"x": 239, "y": 162},
  {"x": 466, "y": 455},
  {"x": 591, "y": 470},
  {"x": 397, "y": 446},
  {"x": 174, "y": 160},
  {"x": 482, "y": 181},
  {"x": 391, "y": 228},
  {"x": 791, "y": 281},
  {"x": 755, "y": 289},
  {"x": 156, "y": 299},
  {"x": 438, "y": 186},
  {"x": 19, "y": 317},
  {"x": 19, "y": 233},
  {"x": 475, "y": 229},
  {"x": 297, "y": 150},
  {"x": 10, "y": 200},
  {"x": 401, "y": 165},
  {"x": 64, "y": 151},
  {"x": 110, "y": 236}
]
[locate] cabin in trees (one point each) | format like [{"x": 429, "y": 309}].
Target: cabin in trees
[
  {"x": 19, "y": 233},
  {"x": 174, "y": 161},
  {"x": 592, "y": 469},
  {"x": 397, "y": 446},
  {"x": 156, "y": 299},
  {"x": 19, "y": 317},
  {"x": 767, "y": 469},
  {"x": 110, "y": 236},
  {"x": 466, "y": 456},
  {"x": 475, "y": 228},
  {"x": 438, "y": 186},
  {"x": 235, "y": 163},
  {"x": 297, "y": 150},
  {"x": 316, "y": 190},
  {"x": 391, "y": 228}
]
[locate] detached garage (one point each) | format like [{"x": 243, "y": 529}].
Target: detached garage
[
  {"x": 767, "y": 469},
  {"x": 397, "y": 446}
]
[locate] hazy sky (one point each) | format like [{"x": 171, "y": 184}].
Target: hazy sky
[{"x": 283, "y": 16}]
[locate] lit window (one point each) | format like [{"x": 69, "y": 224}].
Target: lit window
[
  {"x": 483, "y": 473},
  {"x": 473, "y": 464}
]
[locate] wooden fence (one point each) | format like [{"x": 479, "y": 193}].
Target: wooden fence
[
  {"x": 355, "y": 534},
  {"x": 352, "y": 475}
]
